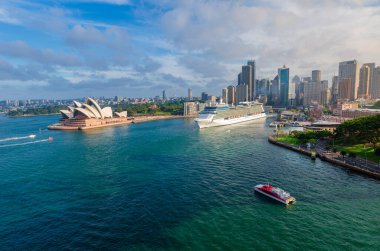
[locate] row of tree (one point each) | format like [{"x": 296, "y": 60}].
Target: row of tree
[
  {"x": 360, "y": 130},
  {"x": 310, "y": 136},
  {"x": 151, "y": 109}
]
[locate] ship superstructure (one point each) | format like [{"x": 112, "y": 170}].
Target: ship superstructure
[{"x": 221, "y": 115}]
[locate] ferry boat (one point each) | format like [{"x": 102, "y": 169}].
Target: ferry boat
[
  {"x": 221, "y": 115},
  {"x": 275, "y": 193}
]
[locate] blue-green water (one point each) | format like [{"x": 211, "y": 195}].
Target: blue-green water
[{"x": 167, "y": 185}]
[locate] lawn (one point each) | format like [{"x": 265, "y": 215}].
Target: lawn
[
  {"x": 289, "y": 140},
  {"x": 361, "y": 151}
]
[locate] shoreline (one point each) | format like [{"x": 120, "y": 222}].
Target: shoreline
[
  {"x": 31, "y": 115},
  {"x": 325, "y": 157},
  {"x": 131, "y": 120}
]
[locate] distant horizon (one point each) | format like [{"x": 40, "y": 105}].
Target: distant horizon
[{"x": 130, "y": 48}]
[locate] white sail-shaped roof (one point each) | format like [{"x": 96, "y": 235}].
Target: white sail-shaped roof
[
  {"x": 107, "y": 112},
  {"x": 77, "y": 104},
  {"x": 84, "y": 112},
  {"x": 93, "y": 110},
  {"x": 67, "y": 114},
  {"x": 93, "y": 103}
]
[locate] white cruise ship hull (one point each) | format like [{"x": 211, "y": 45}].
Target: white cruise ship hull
[{"x": 205, "y": 123}]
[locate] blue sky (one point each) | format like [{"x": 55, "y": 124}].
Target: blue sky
[{"x": 69, "y": 49}]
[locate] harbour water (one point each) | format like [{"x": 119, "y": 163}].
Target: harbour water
[{"x": 167, "y": 185}]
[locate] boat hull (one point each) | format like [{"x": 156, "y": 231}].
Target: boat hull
[
  {"x": 223, "y": 122},
  {"x": 286, "y": 202}
]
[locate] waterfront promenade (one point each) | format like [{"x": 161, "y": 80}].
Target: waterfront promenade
[{"x": 357, "y": 164}]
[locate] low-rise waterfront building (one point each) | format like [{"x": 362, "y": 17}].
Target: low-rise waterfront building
[
  {"x": 357, "y": 113},
  {"x": 344, "y": 105}
]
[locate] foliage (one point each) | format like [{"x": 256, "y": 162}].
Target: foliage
[
  {"x": 289, "y": 140},
  {"x": 376, "y": 105},
  {"x": 152, "y": 109},
  {"x": 365, "y": 129},
  {"x": 36, "y": 111},
  {"x": 343, "y": 152},
  {"x": 306, "y": 136},
  {"x": 361, "y": 151}
]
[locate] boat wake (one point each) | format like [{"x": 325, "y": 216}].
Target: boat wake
[
  {"x": 32, "y": 136},
  {"x": 26, "y": 143}
]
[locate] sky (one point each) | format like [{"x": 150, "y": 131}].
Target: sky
[{"x": 134, "y": 48}]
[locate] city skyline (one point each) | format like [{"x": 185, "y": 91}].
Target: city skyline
[{"x": 134, "y": 49}]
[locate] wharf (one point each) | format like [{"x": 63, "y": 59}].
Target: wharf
[{"x": 369, "y": 169}]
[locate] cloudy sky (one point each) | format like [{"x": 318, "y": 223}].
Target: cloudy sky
[{"x": 77, "y": 48}]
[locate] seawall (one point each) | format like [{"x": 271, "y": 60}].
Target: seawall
[{"x": 325, "y": 157}]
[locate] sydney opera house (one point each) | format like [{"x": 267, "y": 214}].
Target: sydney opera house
[{"x": 87, "y": 115}]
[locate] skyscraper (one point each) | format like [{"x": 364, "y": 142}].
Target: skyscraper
[
  {"x": 376, "y": 83},
  {"x": 246, "y": 75},
  {"x": 225, "y": 96},
  {"x": 283, "y": 80},
  {"x": 350, "y": 70},
  {"x": 189, "y": 94},
  {"x": 252, "y": 63},
  {"x": 241, "y": 93},
  {"x": 345, "y": 89},
  {"x": 262, "y": 87},
  {"x": 335, "y": 89},
  {"x": 231, "y": 95},
  {"x": 204, "y": 96},
  {"x": 163, "y": 95},
  {"x": 240, "y": 81},
  {"x": 316, "y": 75},
  {"x": 274, "y": 91},
  {"x": 312, "y": 93},
  {"x": 364, "y": 81}
]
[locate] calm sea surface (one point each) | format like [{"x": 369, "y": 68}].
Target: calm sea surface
[{"x": 166, "y": 185}]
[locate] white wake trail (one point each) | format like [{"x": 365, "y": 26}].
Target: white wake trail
[
  {"x": 26, "y": 143},
  {"x": 32, "y": 136}
]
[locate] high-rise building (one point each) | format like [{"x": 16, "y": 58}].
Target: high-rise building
[
  {"x": 325, "y": 97},
  {"x": 231, "y": 95},
  {"x": 324, "y": 85},
  {"x": 241, "y": 93},
  {"x": 163, "y": 95},
  {"x": 262, "y": 87},
  {"x": 350, "y": 70},
  {"x": 335, "y": 89},
  {"x": 366, "y": 80},
  {"x": 225, "y": 96},
  {"x": 283, "y": 80},
  {"x": 252, "y": 63},
  {"x": 316, "y": 75},
  {"x": 204, "y": 96},
  {"x": 274, "y": 91},
  {"x": 240, "y": 81},
  {"x": 246, "y": 75},
  {"x": 312, "y": 93},
  {"x": 376, "y": 83},
  {"x": 189, "y": 94},
  {"x": 345, "y": 89}
]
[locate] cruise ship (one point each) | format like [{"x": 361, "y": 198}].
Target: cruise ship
[{"x": 221, "y": 115}]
